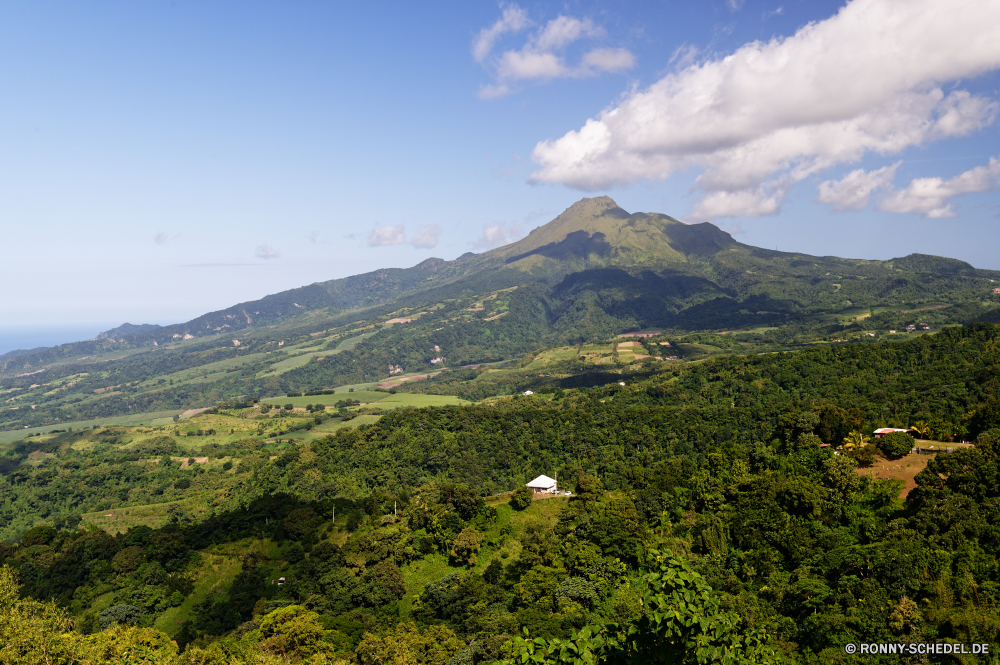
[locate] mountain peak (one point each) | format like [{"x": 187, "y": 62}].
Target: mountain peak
[
  {"x": 127, "y": 329},
  {"x": 598, "y": 231}
]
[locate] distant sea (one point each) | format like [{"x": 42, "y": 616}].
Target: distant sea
[{"x": 12, "y": 338}]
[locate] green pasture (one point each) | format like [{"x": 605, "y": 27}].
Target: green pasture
[
  {"x": 135, "y": 419},
  {"x": 416, "y": 400}
]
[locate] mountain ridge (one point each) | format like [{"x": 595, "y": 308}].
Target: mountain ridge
[{"x": 647, "y": 269}]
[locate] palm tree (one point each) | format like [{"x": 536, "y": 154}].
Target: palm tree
[
  {"x": 855, "y": 440},
  {"x": 922, "y": 428}
]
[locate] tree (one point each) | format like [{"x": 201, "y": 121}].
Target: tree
[
  {"x": 588, "y": 488},
  {"x": 521, "y": 498},
  {"x": 436, "y": 645},
  {"x": 128, "y": 560},
  {"x": 921, "y": 428},
  {"x": 494, "y": 572},
  {"x": 683, "y": 624},
  {"x": 122, "y": 615},
  {"x": 895, "y": 444},
  {"x": 465, "y": 546},
  {"x": 292, "y": 631},
  {"x": 856, "y": 439}
]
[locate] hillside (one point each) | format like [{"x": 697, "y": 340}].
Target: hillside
[
  {"x": 594, "y": 272},
  {"x": 352, "y": 525}
]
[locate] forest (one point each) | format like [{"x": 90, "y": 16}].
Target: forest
[{"x": 707, "y": 520}]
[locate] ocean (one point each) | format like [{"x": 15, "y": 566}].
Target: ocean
[{"x": 30, "y": 337}]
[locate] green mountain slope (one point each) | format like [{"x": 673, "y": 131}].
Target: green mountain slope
[{"x": 593, "y": 272}]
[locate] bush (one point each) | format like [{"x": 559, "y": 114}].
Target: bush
[
  {"x": 521, "y": 498},
  {"x": 895, "y": 445},
  {"x": 120, "y": 615}
]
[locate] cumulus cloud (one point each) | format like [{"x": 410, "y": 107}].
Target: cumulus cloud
[
  {"x": 854, "y": 191},
  {"x": 498, "y": 234},
  {"x": 266, "y": 252},
  {"x": 929, "y": 196},
  {"x": 758, "y": 120},
  {"x": 392, "y": 234},
  {"x": 426, "y": 237},
  {"x": 543, "y": 56}
]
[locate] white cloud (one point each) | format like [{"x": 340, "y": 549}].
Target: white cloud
[
  {"x": 513, "y": 19},
  {"x": 854, "y": 191},
  {"x": 609, "y": 60},
  {"x": 426, "y": 237},
  {"x": 735, "y": 5},
  {"x": 562, "y": 31},
  {"x": 865, "y": 80},
  {"x": 392, "y": 234},
  {"x": 929, "y": 196},
  {"x": 266, "y": 252},
  {"x": 498, "y": 234},
  {"x": 757, "y": 202},
  {"x": 516, "y": 65},
  {"x": 542, "y": 56}
]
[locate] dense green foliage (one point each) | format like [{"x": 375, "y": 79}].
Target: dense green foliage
[{"x": 783, "y": 551}]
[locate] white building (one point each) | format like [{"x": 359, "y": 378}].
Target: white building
[{"x": 544, "y": 484}]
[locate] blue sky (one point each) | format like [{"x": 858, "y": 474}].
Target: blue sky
[{"x": 159, "y": 160}]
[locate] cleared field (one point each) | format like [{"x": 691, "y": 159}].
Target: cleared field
[
  {"x": 208, "y": 372},
  {"x": 352, "y": 342},
  {"x": 334, "y": 425},
  {"x": 134, "y": 419},
  {"x": 292, "y": 363},
  {"x": 904, "y": 469},
  {"x": 405, "y": 399},
  {"x": 364, "y": 396},
  {"x": 120, "y": 520}
]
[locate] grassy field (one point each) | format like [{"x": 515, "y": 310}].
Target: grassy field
[
  {"x": 120, "y": 520},
  {"x": 416, "y": 400},
  {"x": 213, "y": 575},
  {"x": 383, "y": 400},
  {"x": 130, "y": 420},
  {"x": 292, "y": 363}
]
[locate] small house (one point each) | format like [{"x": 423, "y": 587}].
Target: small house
[
  {"x": 543, "y": 484},
  {"x": 882, "y": 431}
]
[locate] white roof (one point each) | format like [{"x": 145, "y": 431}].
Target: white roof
[
  {"x": 543, "y": 482},
  {"x": 889, "y": 430}
]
